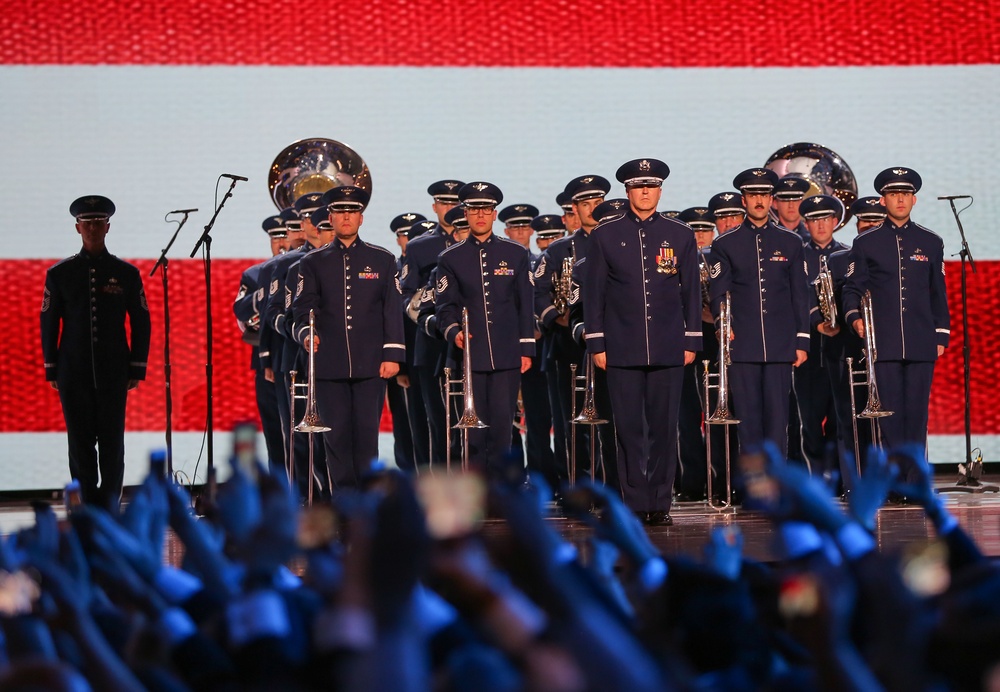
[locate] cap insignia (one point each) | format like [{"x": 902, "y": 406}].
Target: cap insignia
[
  {"x": 644, "y": 165},
  {"x": 900, "y": 171},
  {"x": 480, "y": 186}
]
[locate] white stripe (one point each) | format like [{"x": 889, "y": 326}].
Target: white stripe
[
  {"x": 804, "y": 335},
  {"x": 939, "y": 331},
  {"x": 527, "y": 341},
  {"x": 402, "y": 346},
  {"x": 692, "y": 333},
  {"x": 122, "y": 104},
  {"x": 595, "y": 336}
]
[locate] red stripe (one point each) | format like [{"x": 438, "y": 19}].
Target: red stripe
[
  {"x": 28, "y": 405},
  {"x": 515, "y": 33}
]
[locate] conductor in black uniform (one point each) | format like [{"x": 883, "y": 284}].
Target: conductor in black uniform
[
  {"x": 902, "y": 264},
  {"x": 88, "y": 357},
  {"x": 762, "y": 266},
  {"x": 642, "y": 311},
  {"x": 353, "y": 289},
  {"x": 490, "y": 276}
]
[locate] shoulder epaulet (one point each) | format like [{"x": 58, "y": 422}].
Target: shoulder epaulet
[
  {"x": 511, "y": 242},
  {"x": 608, "y": 219},
  {"x": 794, "y": 234},
  {"x": 725, "y": 236},
  {"x": 927, "y": 230},
  {"x": 382, "y": 249},
  {"x": 64, "y": 261},
  {"x": 449, "y": 249}
]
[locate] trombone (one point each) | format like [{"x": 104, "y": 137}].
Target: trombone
[
  {"x": 866, "y": 378},
  {"x": 469, "y": 420},
  {"x": 587, "y": 416},
  {"x": 722, "y": 414},
  {"x": 310, "y": 422}
]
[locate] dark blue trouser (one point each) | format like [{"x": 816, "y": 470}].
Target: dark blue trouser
[
  {"x": 646, "y": 403},
  {"x": 416, "y": 414},
  {"x": 538, "y": 421},
  {"x": 495, "y": 395},
  {"x": 402, "y": 439},
  {"x": 559, "y": 418},
  {"x": 270, "y": 420},
  {"x": 760, "y": 400},
  {"x": 814, "y": 395},
  {"x": 691, "y": 476},
  {"x": 95, "y": 432},
  {"x": 353, "y": 409},
  {"x": 905, "y": 389},
  {"x": 433, "y": 397}
]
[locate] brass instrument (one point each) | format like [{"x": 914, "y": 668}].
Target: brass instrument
[
  {"x": 311, "y": 422},
  {"x": 469, "y": 419},
  {"x": 562, "y": 291},
  {"x": 315, "y": 165},
  {"x": 722, "y": 415},
  {"x": 586, "y": 416},
  {"x": 866, "y": 378},
  {"x": 824, "y": 291},
  {"x": 824, "y": 169},
  {"x": 706, "y": 280}
]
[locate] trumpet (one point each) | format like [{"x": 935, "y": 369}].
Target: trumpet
[
  {"x": 824, "y": 291},
  {"x": 469, "y": 419},
  {"x": 563, "y": 289}
]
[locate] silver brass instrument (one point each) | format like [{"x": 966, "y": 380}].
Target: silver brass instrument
[
  {"x": 562, "y": 291},
  {"x": 824, "y": 291},
  {"x": 310, "y": 422},
  {"x": 722, "y": 415},
  {"x": 824, "y": 169},
  {"x": 469, "y": 419},
  {"x": 587, "y": 415},
  {"x": 315, "y": 165},
  {"x": 874, "y": 407},
  {"x": 413, "y": 307}
]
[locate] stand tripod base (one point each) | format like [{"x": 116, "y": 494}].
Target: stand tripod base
[{"x": 968, "y": 480}]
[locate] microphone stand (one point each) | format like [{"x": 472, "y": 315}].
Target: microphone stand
[
  {"x": 163, "y": 263},
  {"x": 969, "y": 472},
  {"x": 206, "y": 239}
]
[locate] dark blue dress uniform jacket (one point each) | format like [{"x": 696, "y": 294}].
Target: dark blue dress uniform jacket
[
  {"x": 89, "y": 296},
  {"x": 493, "y": 280},
  {"x": 549, "y": 267},
  {"x": 283, "y": 350},
  {"x": 635, "y": 314},
  {"x": 820, "y": 343},
  {"x": 903, "y": 267},
  {"x": 764, "y": 271},
  {"x": 359, "y": 315},
  {"x": 421, "y": 257}
]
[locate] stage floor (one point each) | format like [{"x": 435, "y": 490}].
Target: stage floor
[{"x": 896, "y": 526}]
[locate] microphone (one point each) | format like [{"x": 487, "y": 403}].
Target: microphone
[
  {"x": 234, "y": 177},
  {"x": 956, "y": 197},
  {"x": 182, "y": 211}
]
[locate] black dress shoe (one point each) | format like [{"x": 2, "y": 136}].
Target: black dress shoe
[
  {"x": 659, "y": 519},
  {"x": 642, "y": 516}
]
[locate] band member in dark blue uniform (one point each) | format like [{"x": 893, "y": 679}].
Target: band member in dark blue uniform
[
  {"x": 814, "y": 380},
  {"x": 868, "y": 213},
  {"x": 248, "y": 319},
  {"x": 642, "y": 311},
  {"x": 902, "y": 264},
  {"x": 727, "y": 208},
  {"x": 691, "y": 483},
  {"x": 761, "y": 266},
  {"x": 421, "y": 257},
  {"x": 397, "y": 389},
  {"x": 489, "y": 276},
  {"x": 585, "y": 193},
  {"x": 353, "y": 289},
  {"x": 788, "y": 196},
  {"x": 87, "y": 355}
]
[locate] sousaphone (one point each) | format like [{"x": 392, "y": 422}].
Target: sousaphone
[
  {"x": 315, "y": 165},
  {"x": 824, "y": 169}
]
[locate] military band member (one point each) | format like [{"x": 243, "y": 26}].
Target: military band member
[
  {"x": 642, "y": 310},
  {"x": 585, "y": 193},
  {"x": 248, "y": 319},
  {"x": 868, "y": 213},
  {"x": 489, "y": 276},
  {"x": 788, "y": 196},
  {"x": 548, "y": 229},
  {"x": 691, "y": 483},
  {"x": 88, "y": 356},
  {"x": 609, "y": 208},
  {"x": 902, "y": 264},
  {"x": 761, "y": 266},
  {"x": 397, "y": 389},
  {"x": 570, "y": 219},
  {"x": 727, "y": 208},
  {"x": 428, "y": 424},
  {"x": 353, "y": 289},
  {"x": 517, "y": 220},
  {"x": 814, "y": 380}
]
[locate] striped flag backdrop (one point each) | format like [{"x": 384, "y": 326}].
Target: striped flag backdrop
[{"x": 148, "y": 103}]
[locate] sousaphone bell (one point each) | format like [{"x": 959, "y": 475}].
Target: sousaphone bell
[{"x": 315, "y": 165}]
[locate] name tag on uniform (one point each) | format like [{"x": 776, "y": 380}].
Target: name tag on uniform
[
  {"x": 503, "y": 270},
  {"x": 778, "y": 257},
  {"x": 367, "y": 274}
]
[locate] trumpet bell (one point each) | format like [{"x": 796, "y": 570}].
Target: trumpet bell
[
  {"x": 824, "y": 169},
  {"x": 315, "y": 165}
]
